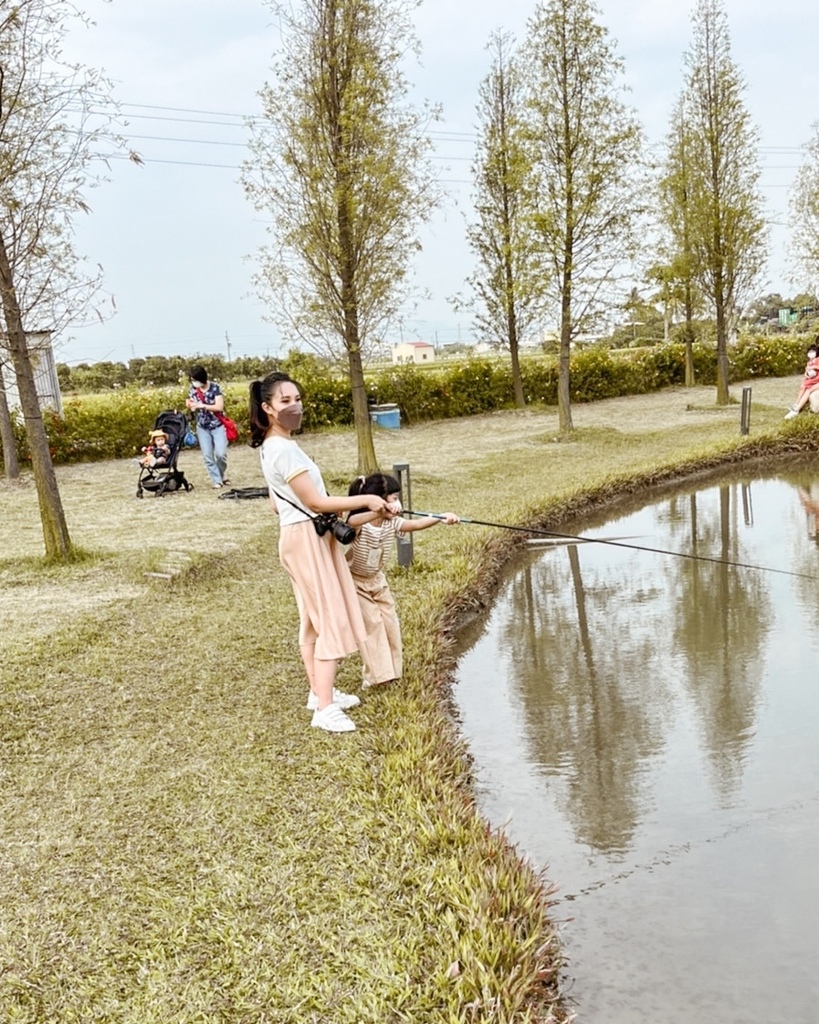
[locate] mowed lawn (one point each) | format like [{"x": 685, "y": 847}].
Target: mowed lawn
[{"x": 176, "y": 843}]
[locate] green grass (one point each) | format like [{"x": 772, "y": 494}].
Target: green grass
[{"x": 177, "y": 845}]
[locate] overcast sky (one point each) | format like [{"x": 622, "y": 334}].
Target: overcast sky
[{"x": 175, "y": 234}]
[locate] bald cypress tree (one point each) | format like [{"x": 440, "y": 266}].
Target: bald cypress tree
[
  {"x": 508, "y": 280},
  {"x": 724, "y": 205},
  {"x": 587, "y": 186},
  {"x": 49, "y": 138},
  {"x": 675, "y": 216},
  {"x": 804, "y": 217},
  {"x": 339, "y": 164}
]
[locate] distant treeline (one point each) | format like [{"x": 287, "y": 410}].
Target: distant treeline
[{"x": 166, "y": 371}]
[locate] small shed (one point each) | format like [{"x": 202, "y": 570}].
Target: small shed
[
  {"x": 45, "y": 372},
  {"x": 413, "y": 352}
]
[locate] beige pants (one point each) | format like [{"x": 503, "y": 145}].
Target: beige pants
[{"x": 381, "y": 651}]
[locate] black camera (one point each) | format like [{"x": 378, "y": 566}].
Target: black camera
[{"x": 325, "y": 521}]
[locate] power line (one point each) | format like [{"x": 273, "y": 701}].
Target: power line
[
  {"x": 198, "y": 142},
  {"x": 181, "y": 110}
]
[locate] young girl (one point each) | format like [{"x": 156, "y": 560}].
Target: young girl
[
  {"x": 809, "y": 382},
  {"x": 330, "y": 620},
  {"x": 381, "y": 652}
]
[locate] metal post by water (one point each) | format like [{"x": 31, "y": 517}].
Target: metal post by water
[
  {"x": 401, "y": 472},
  {"x": 745, "y": 413}
]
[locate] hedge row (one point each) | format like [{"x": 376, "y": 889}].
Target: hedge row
[{"x": 116, "y": 424}]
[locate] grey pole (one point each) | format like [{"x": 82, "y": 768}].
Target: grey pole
[
  {"x": 745, "y": 414},
  {"x": 401, "y": 472}
]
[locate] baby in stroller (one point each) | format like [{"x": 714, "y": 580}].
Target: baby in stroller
[
  {"x": 158, "y": 470},
  {"x": 157, "y": 451}
]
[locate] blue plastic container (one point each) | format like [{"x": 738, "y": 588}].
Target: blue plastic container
[{"x": 388, "y": 416}]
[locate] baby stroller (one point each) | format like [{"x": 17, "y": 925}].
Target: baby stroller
[{"x": 168, "y": 477}]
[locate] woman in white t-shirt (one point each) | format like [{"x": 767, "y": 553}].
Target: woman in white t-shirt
[{"x": 331, "y": 625}]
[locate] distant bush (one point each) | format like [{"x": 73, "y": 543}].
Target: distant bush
[
  {"x": 105, "y": 426},
  {"x": 114, "y": 424},
  {"x": 419, "y": 394},
  {"x": 767, "y": 357}
]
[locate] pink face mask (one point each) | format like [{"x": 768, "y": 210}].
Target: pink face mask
[{"x": 289, "y": 418}]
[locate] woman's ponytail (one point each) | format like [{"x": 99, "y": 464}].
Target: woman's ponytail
[{"x": 259, "y": 420}]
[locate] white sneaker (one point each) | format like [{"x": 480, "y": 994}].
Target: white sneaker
[
  {"x": 344, "y": 700},
  {"x": 332, "y": 719},
  {"x": 789, "y": 415}
]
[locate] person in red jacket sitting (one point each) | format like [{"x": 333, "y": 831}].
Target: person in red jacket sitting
[{"x": 809, "y": 381}]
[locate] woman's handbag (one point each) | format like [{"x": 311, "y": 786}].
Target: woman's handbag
[
  {"x": 190, "y": 437},
  {"x": 231, "y": 429}
]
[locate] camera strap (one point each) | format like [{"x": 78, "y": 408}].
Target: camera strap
[{"x": 289, "y": 502}]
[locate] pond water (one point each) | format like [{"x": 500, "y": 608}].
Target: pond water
[{"x": 646, "y": 730}]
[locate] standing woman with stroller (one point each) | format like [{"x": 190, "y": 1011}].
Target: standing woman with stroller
[
  {"x": 208, "y": 402},
  {"x": 331, "y": 625}
]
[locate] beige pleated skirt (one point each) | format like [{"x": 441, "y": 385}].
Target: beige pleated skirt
[{"x": 329, "y": 612}]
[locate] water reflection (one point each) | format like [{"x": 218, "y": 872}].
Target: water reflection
[
  {"x": 810, "y": 503},
  {"x": 646, "y": 727},
  {"x": 595, "y": 685},
  {"x": 586, "y": 696},
  {"x": 721, "y": 616}
]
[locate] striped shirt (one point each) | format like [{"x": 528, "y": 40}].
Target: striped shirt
[{"x": 367, "y": 552}]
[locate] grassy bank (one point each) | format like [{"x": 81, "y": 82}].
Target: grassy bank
[{"x": 177, "y": 845}]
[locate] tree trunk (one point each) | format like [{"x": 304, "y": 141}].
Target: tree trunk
[
  {"x": 517, "y": 380},
  {"x": 509, "y": 289},
  {"x": 723, "y": 396},
  {"x": 689, "y": 338},
  {"x": 361, "y": 415},
  {"x": 52, "y": 516},
  {"x": 512, "y": 337},
  {"x": 8, "y": 444},
  {"x": 361, "y": 412},
  {"x": 564, "y": 404}
]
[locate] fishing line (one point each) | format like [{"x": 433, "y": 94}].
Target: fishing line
[{"x": 621, "y": 544}]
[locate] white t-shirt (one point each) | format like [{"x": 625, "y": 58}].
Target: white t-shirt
[{"x": 282, "y": 459}]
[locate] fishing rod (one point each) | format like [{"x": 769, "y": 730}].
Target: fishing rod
[{"x": 576, "y": 538}]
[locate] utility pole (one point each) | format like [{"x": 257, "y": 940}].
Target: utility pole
[{"x": 227, "y": 342}]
